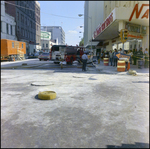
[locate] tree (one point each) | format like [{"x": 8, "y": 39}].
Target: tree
[{"x": 81, "y": 42}]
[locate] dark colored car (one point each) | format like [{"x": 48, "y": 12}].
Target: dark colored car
[{"x": 44, "y": 56}]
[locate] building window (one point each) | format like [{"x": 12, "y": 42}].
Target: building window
[
  {"x": 7, "y": 27},
  {"x": 37, "y": 27},
  {"x": 46, "y": 45},
  {"x": 26, "y": 20},
  {"x": 18, "y": 15},
  {"x": 1, "y": 27},
  {"x": 43, "y": 45},
  {"x": 22, "y": 45},
  {"x": 12, "y": 44},
  {"x": 22, "y": 19},
  {"x": 143, "y": 30},
  {"x": 11, "y": 30}
]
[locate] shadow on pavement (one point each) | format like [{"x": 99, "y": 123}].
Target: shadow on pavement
[{"x": 136, "y": 145}]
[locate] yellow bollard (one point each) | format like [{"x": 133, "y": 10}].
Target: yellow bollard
[
  {"x": 99, "y": 61},
  {"x": 61, "y": 66}
]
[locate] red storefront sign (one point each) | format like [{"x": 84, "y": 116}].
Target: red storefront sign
[
  {"x": 145, "y": 15},
  {"x": 104, "y": 25},
  {"x": 134, "y": 36}
]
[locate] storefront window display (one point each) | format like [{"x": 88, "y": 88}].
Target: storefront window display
[
  {"x": 133, "y": 28},
  {"x": 143, "y": 30}
]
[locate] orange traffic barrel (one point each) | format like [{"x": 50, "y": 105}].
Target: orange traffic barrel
[
  {"x": 121, "y": 66},
  {"x": 106, "y": 61},
  {"x": 128, "y": 67}
]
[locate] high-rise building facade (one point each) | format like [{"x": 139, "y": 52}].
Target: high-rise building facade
[
  {"x": 56, "y": 33},
  {"x": 118, "y": 15},
  {"x": 93, "y": 15},
  {"x": 8, "y": 24},
  {"x": 27, "y": 18}
]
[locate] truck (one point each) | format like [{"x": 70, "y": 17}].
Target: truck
[
  {"x": 57, "y": 53},
  {"x": 65, "y": 53},
  {"x": 73, "y": 53},
  {"x": 12, "y": 50}
]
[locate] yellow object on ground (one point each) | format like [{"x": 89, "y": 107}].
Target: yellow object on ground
[{"x": 46, "y": 95}]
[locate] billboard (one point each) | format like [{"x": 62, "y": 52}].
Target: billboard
[{"x": 45, "y": 35}]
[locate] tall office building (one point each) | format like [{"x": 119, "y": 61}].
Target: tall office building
[
  {"x": 56, "y": 33},
  {"x": 27, "y": 18},
  {"x": 117, "y": 16},
  {"x": 8, "y": 24}
]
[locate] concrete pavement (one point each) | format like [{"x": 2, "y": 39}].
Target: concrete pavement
[{"x": 92, "y": 109}]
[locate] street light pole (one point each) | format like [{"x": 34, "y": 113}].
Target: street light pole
[{"x": 91, "y": 28}]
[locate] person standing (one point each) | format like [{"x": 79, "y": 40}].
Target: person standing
[
  {"x": 115, "y": 57},
  {"x": 120, "y": 51},
  {"x": 110, "y": 56},
  {"x": 84, "y": 58},
  {"x": 146, "y": 58},
  {"x": 131, "y": 54},
  {"x": 135, "y": 56},
  {"x": 140, "y": 58}
]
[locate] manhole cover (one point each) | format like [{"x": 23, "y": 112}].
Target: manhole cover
[{"x": 41, "y": 84}]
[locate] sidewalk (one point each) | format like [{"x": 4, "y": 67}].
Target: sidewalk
[{"x": 113, "y": 70}]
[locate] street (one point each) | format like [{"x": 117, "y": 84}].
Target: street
[{"x": 93, "y": 109}]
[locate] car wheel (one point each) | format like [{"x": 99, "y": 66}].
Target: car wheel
[{"x": 39, "y": 59}]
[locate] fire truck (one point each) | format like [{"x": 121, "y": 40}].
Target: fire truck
[
  {"x": 60, "y": 53},
  {"x": 73, "y": 53}
]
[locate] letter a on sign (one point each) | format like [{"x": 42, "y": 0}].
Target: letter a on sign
[{"x": 146, "y": 14}]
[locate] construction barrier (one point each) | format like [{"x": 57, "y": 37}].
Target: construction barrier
[
  {"x": 106, "y": 61},
  {"x": 128, "y": 66},
  {"x": 121, "y": 66}
]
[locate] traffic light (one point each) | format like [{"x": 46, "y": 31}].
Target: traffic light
[
  {"x": 120, "y": 34},
  {"x": 125, "y": 37}
]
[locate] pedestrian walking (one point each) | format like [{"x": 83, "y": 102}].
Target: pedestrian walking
[
  {"x": 110, "y": 56},
  {"x": 115, "y": 57},
  {"x": 146, "y": 58},
  {"x": 84, "y": 58}
]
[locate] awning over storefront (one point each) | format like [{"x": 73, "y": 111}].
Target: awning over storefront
[{"x": 109, "y": 29}]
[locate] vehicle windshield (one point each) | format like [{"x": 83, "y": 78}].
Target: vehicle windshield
[{"x": 45, "y": 53}]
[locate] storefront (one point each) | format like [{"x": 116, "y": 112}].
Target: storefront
[{"x": 135, "y": 20}]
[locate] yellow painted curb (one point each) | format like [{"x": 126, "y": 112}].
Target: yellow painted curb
[{"x": 46, "y": 95}]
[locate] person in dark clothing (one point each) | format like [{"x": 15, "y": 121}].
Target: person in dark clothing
[
  {"x": 115, "y": 57},
  {"x": 110, "y": 56},
  {"x": 146, "y": 58},
  {"x": 140, "y": 58},
  {"x": 135, "y": 56},
  {"x": 84, "y": 58}
]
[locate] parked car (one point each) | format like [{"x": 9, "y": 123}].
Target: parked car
[{"x": 44, "y": 56}]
